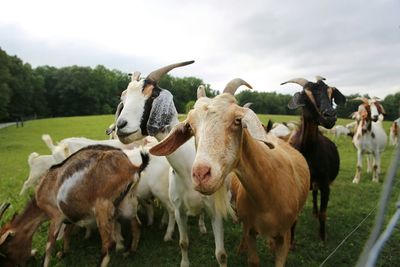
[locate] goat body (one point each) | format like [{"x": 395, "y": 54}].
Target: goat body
[
  {"x": 274, "y": 177},
  {"x": 370, "y": 138},
  {"x": 95, "y": 183}
]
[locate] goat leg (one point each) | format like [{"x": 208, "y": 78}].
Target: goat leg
[
  {"x": 322, "y": 215},
  {"x": 315, "y": 201},
  {"x": 66, "y": 241},
  {"x": 54, "y": 229}
]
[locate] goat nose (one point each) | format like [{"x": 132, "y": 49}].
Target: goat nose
[
  {"x": 202, "y": 172},
  {"x": 375, "y": 118},
  {"x": 121, "y": 124}
]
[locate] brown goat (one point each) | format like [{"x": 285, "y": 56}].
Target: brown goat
[
  {"x": 95, "y": 183},
  {"x": 274, "y": 177}
]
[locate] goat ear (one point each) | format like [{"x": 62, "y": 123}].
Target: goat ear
[
  {"x": 339, "y": 98},
  {"x": 380, "y": 108},
  {"x": 4, "y": 236},
  {"x": 296, "y": 101},
  {"x": 255, "y": 128},
  {"x": 177, "y": 137}
]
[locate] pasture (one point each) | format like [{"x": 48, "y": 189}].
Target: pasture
[{"x": 349, "y": 205}]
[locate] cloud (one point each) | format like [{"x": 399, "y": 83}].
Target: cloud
[{"x": 354, "y": 44}]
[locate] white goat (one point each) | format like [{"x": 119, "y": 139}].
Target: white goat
[
  {"x": 339, "y": 130},
  {"x": 149, "y": 110},
  {"x": 370, "y": 138},
  {"x": 38, "y": 166},
  {"x": 70, "y": 145},
  {"x": 281, "y": 130}
]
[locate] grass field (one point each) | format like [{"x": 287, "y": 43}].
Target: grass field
[{"x": 349, "y": 205}]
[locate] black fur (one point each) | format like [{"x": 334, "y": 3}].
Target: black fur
[{"x": 320, "y": 153}]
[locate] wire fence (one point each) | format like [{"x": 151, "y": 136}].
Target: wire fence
[{"x": 378, "y": 238}]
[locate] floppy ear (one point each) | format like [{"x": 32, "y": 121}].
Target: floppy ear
[
  {"x": 177, "y": 137},
  {"x": 296, "y": 101},
  {"x": 255, "y": 128},
  {"x": 339, "y": 98},
  {"x": 4, "y": 236},
  {"x": 380, "y": 108}
]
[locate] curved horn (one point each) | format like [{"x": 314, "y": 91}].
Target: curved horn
[
  {"x": 201, "y": 91},
  {"x": 319, "y": 78},
  {"x": 363, "y": 99},
  {"x": 233, "y": 85},
  {"x": 156, "y": 75},
  {"x": 299, "y": 81},
  {"x": 3, "y": 208},
  {"x": 247, "y": 105}
]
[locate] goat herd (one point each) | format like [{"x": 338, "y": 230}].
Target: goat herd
[{"x": 232, "y": 166}]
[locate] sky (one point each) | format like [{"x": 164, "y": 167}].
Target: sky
[{"x": 354, "y": 44}]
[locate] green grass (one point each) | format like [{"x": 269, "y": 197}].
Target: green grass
[{"x": 349, "y": 204}]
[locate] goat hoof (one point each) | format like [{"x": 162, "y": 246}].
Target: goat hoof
[
  {"x": 355, "y": 181},
  {"x": 203, "y": 230},
  {"x": 168, "y": 238}
]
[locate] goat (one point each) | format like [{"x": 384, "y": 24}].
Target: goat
[
  {"x": 281, "y": 130},
  {"x": 38, "y": 166},
  {"x": 96, "y": 182},
  {"x": 70, "y": 145},
  {"x": 154, "y": 181},
  {"x": 370, "y": 138},
  {"x": 394, "y": 132},
  {"x": 274, "y": 177},
  {"x": 339, "y": 130},
  {"x": 321, "y": 154},
  {"x": 149, "y": 110}
]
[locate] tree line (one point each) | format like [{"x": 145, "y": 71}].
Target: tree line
[{"x": 47, "y": 91}]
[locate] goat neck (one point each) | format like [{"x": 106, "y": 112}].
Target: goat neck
[
  {"x": 17, "y": 245},
  {"x": 308, "y": 132}
]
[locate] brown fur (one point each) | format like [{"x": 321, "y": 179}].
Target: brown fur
[
  {"x": 273, "y": 178},
  {"x": 108, "y": 176}
]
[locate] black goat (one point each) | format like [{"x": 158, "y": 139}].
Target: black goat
[{"x": 321, "y": 154}]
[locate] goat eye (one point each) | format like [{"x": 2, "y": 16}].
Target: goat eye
[{"x": 238, "y": 121}]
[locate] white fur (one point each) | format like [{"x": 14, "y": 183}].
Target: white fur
[
  {"x": 38, "y": 166},
  {"x": 185, "y": 199},
  {"x": 69, "y": 185}
]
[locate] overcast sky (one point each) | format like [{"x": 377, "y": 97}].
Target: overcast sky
[{"x": 354, "y": 44}]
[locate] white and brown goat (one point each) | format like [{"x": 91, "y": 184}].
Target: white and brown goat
[
  {"x": 96, "y": 183},
  {"x": 370, "y": 138},
  {"x": 148, "y": 109},
  {"x": 274, "y": 177}
]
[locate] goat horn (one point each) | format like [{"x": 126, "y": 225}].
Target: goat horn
[
  {"x": 299, "y": 81},
  {"x": 156, "y": 75},
  {"x": 247, "y": 105},
  {"x": 363, "y": 99},
  {"x": 135, "y": 76},
  {"x": 201, "y": 91},
  {"x": 233, "y": 85},
  {"x": 3, "y": 208},
  {"x": 319, "y": 78}
]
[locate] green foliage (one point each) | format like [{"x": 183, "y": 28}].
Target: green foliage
[
  {"x": 349, "y": 204},
  {"x": 189, "y": 105},
  {"x": 75, "y": 90}
]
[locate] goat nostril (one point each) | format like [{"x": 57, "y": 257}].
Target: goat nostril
[
  {"x": 121, "y": 124},
  {"x": 202, "y": 173}
]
